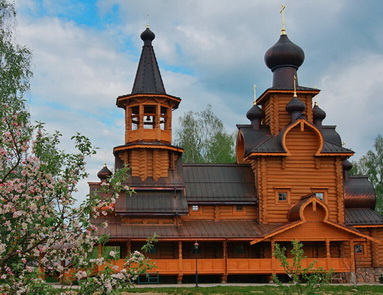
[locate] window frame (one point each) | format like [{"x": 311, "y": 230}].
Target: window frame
[
  {"x": 361, "y": 251},
  {"x": 282, "y": 190},
  {"x": 195, "y": 208},
  {"x": 321, "y": 190}
]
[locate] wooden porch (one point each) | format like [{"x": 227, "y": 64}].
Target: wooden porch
[{"x": 225, "y": 258}]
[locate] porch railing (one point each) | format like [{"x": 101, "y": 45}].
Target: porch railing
[{"x": 241, "y": 266}]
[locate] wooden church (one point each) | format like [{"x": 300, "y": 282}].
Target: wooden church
[{"x": 290, "y": 182}]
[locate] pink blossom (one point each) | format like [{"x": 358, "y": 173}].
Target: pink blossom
[
  {"x": 17, "y": 214},
  {"x": 81, "y": 274}
]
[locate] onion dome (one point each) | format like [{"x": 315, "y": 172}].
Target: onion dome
[
  {"x": 284, "y": 58},
  {"x": 255, "y": 112},
  {"x": 347, "y": 165},
  {"x": 318, "y": 113},
  {"x": 255, "y": 115},
  {"x": 295, "y": 105},
  {"x": 284, "y": 53},
  {"x": 147, "y": 36},
  {"x": 359, "y": 193},
  {"x": 104, "y": 173}
]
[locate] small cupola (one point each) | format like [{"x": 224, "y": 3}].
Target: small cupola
[
  {"x": 295, "y": 107},
  {"x": 318, "y": 115},
  {"x": 147, "y": 36},
  {"x": 255, "y": 114},
  {"x": 104, "y": 174}
]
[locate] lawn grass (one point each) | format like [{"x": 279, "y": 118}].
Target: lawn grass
[{"x": 264, "y": 290}]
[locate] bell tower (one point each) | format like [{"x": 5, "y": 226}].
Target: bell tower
[{"x": 148, "y": 121}]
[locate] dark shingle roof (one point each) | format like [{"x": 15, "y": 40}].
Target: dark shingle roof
[
  {"x": 148, "y": 77},
  {"x": 329, "y": 147},
  {"x": 270, "y": 145},
  {"x": 219, "y": 183},
  {"x": 362, "y": 216},
  {"x": 188, "y": 229},
  {"x": 157, "y": 202},
  {"x": 261, "y": 141}
]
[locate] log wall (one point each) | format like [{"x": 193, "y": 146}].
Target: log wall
[
  {"x": 276, "y": 115},
  {"x": 222, "y": 212},
  {"x": 299, "y": 174}
]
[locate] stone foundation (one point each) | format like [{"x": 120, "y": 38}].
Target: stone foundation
[{"x": 369, "y": 274}]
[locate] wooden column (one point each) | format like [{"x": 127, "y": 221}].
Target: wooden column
[
  {"x": 129, "y": 246},
  {"x": 180, "y": 266},
  {"x": 168, "y": 123},
  {"x": 224, "y": 276},
  {"x": 353, "y": 279},
  {"x": 328, "y": 254},
  {"x": 339, "y": 190},
  {"x": 273, "y": 262},
  {"x": 374, "y": 249},
  {"x": 141, "y": 122},
  {"x": 128, "y": 123},
  {"x": 157, "y": 124}
]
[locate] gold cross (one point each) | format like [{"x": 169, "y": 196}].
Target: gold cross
[
  {"x": 255, "y": 93},
  {"x": 283, "y": 32},
  {"x": 295, "y": 86}
]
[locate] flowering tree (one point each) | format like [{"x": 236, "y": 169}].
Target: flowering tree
[{"x": 41, "y": 232}]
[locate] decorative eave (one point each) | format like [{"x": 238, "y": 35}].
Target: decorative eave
[
  {"x": 278, "y": 231},
  {"x": 143, "y": 145},
  {"x": 251, "y": 155},
  {"x": 300, "y": 90},
  {"x": 369, "y": 226},
  {"x": 298, "y": 223},
  {"x": 122, "y": 100},
  {"x": 222, "y": 203},
  {"x": 297, "y": 216},
  {"x": 281, "y": 138}
]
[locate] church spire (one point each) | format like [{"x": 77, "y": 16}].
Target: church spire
[
  {"x": 148, "y": 77},
  {"x": 148, "y": 148}
]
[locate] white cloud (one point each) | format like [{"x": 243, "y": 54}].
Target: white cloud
[{"x": 351, "y": 96}]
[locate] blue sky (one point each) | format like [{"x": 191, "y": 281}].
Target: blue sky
[{"x": 210, "y": 52}]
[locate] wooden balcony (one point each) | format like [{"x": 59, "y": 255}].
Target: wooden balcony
[{"x": 240, "y": 266}]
